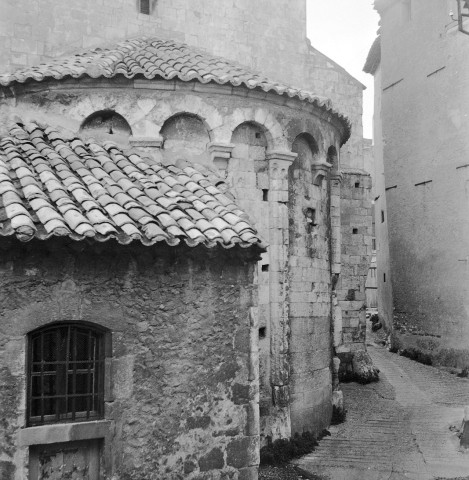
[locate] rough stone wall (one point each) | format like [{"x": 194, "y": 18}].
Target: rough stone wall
[
  {"x": 184, "y": 388},
  {"x": 356, "y": 232},
  {"x": 425, "y": 164}
]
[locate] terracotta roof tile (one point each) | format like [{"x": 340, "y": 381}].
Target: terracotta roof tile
[
  {"x": 158, "y": 58},
  {"x": 53, "y": 186}
]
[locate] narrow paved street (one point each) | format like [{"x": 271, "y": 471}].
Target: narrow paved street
[{"x": 397, "y": 428}]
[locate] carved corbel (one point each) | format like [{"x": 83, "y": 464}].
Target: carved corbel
[
  {"x": 220, "y": 153},
  {"x": 279, "y": 162}
]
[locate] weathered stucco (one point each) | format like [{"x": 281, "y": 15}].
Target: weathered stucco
[{"x": 183, "y": 376}]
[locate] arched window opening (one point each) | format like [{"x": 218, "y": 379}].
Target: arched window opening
[
  {"x": 106, "y": 125},
  {"x": 306, "y": 148},
  {"x": 249, "y": 134},
  {"x": 66, "y": 373},
  {"x": 185, "y": 132},
  {"x": 333, "y": 158},
  {"x": 250, "y": 142}
]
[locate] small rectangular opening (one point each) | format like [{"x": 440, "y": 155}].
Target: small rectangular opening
[
  {"x": 265, "y": 195},
  {"x": 373, "y": 243},
  {"x": 145, "y": 7},
  {"x": 382, "y": 216},
  {"x": 355, "y": 231},
  {"x": 406, "y": 10},
  {"x": 357, "y": 184},
  {"x": 265, "y": 268},
  {"x": 262, "y": 332},
  {"x": 384, "y": 277}
]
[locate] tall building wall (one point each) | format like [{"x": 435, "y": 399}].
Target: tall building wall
[
  {"x": 383, "y": 273},
  {"x": 329, "y": 79},
  {"x": 261, "y": 34},
  {"x": 425, "y": 120}
]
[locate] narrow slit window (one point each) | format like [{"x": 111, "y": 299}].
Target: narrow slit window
[
  {"x": 145, "y": 7},
  {"x": 262, "y": 332},
  {"x": 382, "y": 216},
  {"x": 265, "y": 195}
]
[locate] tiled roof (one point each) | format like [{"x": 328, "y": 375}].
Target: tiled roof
[
  {"x": 156, "y": 58},
  {"x": 374, "y": 57},
  {"x": 53, "y": 186}
]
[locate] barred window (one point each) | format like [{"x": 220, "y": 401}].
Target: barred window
[{"x": 65, "y": 373}]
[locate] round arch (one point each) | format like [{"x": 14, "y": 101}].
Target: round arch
[
  {"x": 306, "y": 147},
  {"x": 333, "y": 158},
  {"x": 186, "y": 131},
  {"x": 106, "y": 125}
]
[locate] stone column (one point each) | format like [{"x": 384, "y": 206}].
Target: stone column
[
  {"x": 279, "y": 162},
  {"x": 336, "y": 263}
]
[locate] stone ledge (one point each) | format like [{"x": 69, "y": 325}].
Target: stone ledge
[
  {"x": 146, "y": 142},
  {"x": 64, "y": 432}
]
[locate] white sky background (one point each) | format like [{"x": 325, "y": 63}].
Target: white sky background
[{"x": 344, "y": 31}]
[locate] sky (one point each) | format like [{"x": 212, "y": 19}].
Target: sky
[{"x": 344, "y": 31}]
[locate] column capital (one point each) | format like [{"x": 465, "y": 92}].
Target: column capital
[
  {"x": 220, "y": 154},
  {"x": 320, "y": 171},
  {"x": 284, "y": 156},
  {"x": 337, "y": 176},
  {"x": 220, "y": 148}
]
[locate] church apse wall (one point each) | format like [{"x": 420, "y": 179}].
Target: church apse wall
[{"x": 253, "y": 144}]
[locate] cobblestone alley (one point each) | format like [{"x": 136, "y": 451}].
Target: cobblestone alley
[{"x": 398, "y": 428}]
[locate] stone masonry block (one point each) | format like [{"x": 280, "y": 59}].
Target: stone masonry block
[
  {"x": 213, "y": 460},
  {"x": 243, "y": 452}
]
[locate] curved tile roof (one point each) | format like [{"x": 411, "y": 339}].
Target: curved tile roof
[
  {"x": 157, "y": 58},
  {"x": 53, "y": 186}
]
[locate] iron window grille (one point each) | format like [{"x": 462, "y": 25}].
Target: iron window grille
[{"x": 65, "y": 374}]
